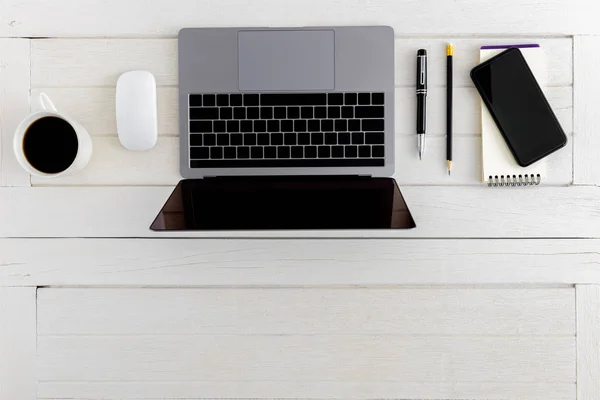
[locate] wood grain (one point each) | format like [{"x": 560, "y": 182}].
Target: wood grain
[
  {"x": 586, "y": 118},
  {"x": 588, "y": 342},
  {"x": 18, "y": 343},
  {"x": 292, "y": 263},
  {"x": 62, "y": 18},
  {"x": 14, "y": 106},
  {"x": 439, "y": 212}
]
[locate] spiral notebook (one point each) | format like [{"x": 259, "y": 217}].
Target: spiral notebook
[{"x": 499, "y": 165}]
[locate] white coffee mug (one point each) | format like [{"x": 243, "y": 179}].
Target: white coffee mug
[{"x": 84, "y": 141}]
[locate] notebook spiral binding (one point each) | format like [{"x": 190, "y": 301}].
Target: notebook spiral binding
[{"x": 514, "y": 180}]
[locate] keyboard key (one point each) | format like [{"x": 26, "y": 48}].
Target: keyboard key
[
  {"x": 377, "y": 98},
  {"x": 289, "y": 163},
  {"x": 314, "y": 125},
  {"x": 246, "y": 126},
  {"x": 233, "y": 126},
  {"x": 243, "y": 152},
  {"x": 251, "y": 99},
  {"x": 350, "y": 99},
  {"x": 327, "y": 125},
  {"x": 216, "y": 152},
  {"x": 358, "y": 138},
  {"x": 195, "y": 100},
  {"x": 337, "y": 151},
  {"x": 204, "y": 113},
  {"x": 293, "y": 112},
  {"x": 316, "y": 138},
  {"x": 239, "y": 113},
  {"x": 287, "y": 125},
  {"x": 293, "y": 99},
  {"x": 235, "y": 100},
  {"x": 263, "y": 139},
  {"x": 223, "y": 139},
  {"x": 266, "y": 112},
  {"x": 256, "y": 152},
  {"x": 334, "y": 112},
  {"x": 306, "y": 112},
  {"x": 374, "y": 138},
  {"x": 195, "y": 140},
  {"x": 273, "y": 126},
  {"x": 201, "y": 126},
  {"x": 378, "y": 151},
  {"x": 208, "y": 100},
  {"x": 270, "y": 152},
  {"x": 202, "y": 153},
  {"x": 222, "y": 100},
  {"x": 351, "y": 151},
  {"x": 369, "y": 111},
  {"x": 226, "y": 113},
  {"x": 310, "y": 152},
  {"x": 229, "y": 152},
  {"x": 364, "y": 98},
  {"x": 331, "y": 138},
  {"x": 354, "y": 125},
  {"x": 219, "y": 126},
  {"x": 277, "y": 139},
  {"x": 320, "y": 112},
  {"x": 289, "y": 138},
  {"x": 279, "y": 113},
  {"x": 253, "y": 113},
  {"x": 236, "y": 139},
  {"x": 210, "y": 139},
  {"x": 373, "y": 125},
  {"x": 260, "y": 126},
  {"x": 324, "y": 152},
  {"x": 364, "y": 151},
  {"x": 300, "y": 125},
  {"x": 335, "y": 99},
  {"x": 347, "y": 112},
  {"x": 341, "y": 125},
  {"x": 304, "y": 138},
  {"x": 283, "y": 152},
  {"x": 297, "y": 152},
  {"x": 250, "y": 139},
  {"x": 343, "y": 137}
]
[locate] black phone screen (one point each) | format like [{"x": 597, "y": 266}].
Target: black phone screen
[{"x": 518, "y": 106}]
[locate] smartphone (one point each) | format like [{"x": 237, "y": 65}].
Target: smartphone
[{"x": 518, "y": 106}]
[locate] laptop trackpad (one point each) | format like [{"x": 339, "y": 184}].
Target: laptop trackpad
[{"x": 286, "y": 60}]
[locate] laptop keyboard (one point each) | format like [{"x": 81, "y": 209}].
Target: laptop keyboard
[{"x": 286, "y": 130}]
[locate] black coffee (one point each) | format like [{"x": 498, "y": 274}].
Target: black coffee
[{"x": 50, "y": 145}]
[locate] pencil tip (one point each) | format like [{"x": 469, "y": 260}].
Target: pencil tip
[{"x": 448, "y": 172}]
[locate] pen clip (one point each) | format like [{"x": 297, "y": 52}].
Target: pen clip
[{"x": 422, "y": 74}]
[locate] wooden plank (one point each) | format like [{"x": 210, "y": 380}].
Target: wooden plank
[
  {"x": 439, "y": 212},
  {"x": 17, "y": 343},
  {"x": 588, "y": 342},
  {"x": 113, "y": 165},
  {"x": 307, "y": 358},
  {"x": 14, "y": 106},
  {"x": 94, "y": 62},
  {"x": 354, "y": 390},
  {"x": 407, "y": 17},
  {"x": 313, "y": 262},
  {"x": 586, "y": 117},
  {"x": 307, "y": 311},
  {"x": 94, "y": 108}
]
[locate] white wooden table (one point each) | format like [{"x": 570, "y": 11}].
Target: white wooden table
[{"x": 495, "y": 295}]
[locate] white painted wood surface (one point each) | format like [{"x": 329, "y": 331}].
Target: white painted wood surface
[
  {"x": 18, "y": 343},
  {"x": 588, "y": 342}
]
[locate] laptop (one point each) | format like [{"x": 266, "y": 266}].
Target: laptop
[
  {"x": 286, "y": 101},
  {"x": 289, "y": 128}
]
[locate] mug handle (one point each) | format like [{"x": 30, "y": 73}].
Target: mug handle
[{"x": 46, "y": 103}]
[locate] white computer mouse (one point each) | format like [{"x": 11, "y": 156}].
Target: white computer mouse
[{"x": 136, "y": 110}]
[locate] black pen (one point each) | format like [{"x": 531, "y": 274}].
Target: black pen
[
  {"x": 421, "y": 99},
  {"x": 449, "y": 54}
]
